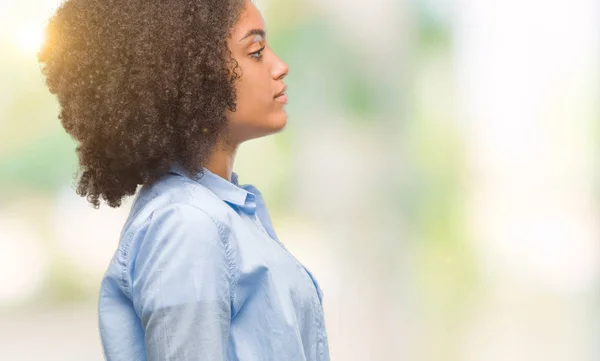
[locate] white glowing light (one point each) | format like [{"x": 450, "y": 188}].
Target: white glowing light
[{"x": 29, "y": 38}]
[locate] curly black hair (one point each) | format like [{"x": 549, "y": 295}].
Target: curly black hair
[{"x": 141, "y": 84}]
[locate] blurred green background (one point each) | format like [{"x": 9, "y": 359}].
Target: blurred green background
[{"x": 439, "y": 174}]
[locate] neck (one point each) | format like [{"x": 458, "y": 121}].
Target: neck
[{"x": 221, "y": 160}]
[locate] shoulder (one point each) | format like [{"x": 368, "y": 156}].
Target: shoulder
[
  {"x": 175, "y": 218},
  {"x": 174, "y": 207},
  {"x": 178, "y": 193}
]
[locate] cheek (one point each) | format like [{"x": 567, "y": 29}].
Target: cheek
[{"x": 253, "y": 93}]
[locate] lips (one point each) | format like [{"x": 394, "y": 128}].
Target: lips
[
  {"x": 281, "y": 93},
  {"x": 282, "y": 99}
]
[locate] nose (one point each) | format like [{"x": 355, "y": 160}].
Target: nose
[{"x": 280, "y": 69}]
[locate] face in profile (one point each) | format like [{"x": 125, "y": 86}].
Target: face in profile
[{"x": 260, "y": 103}]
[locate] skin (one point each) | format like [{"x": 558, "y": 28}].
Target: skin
[{"x": 258, "y": 112}]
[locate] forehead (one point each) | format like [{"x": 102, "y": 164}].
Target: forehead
[{"x": 250, "y": 18}]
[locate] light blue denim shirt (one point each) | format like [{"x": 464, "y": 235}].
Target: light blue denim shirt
[{"x": 199, "y": 275}]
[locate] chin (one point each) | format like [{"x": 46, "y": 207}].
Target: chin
[
  {"x": 277, "y": 123},
  {"x": 273, "y": 124}
]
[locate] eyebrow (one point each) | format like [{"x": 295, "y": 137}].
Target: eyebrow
[{"x": 251, "y": 32}]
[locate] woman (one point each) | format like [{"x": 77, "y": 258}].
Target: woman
[{"x": 161, "y": 94}]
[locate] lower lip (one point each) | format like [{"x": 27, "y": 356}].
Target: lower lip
[{"x": 282, "y": 99}]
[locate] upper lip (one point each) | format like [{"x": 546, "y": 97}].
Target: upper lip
[{"x": 281, "y": 92}]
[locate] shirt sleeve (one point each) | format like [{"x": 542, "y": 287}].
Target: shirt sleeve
[{"x": 181, "y": 287}]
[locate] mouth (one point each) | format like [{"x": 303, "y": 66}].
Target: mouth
[
  {"x": 282, "y": 99},
  {"x": 281, "y": 93}
]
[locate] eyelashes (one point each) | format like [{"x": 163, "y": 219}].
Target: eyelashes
[{"x": 258, "y": 54}]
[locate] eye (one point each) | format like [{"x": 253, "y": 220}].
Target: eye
[{"x": 257, "y": 54}]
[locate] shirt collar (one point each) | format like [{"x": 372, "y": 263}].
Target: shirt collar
[{"x": 230, "y": 192}]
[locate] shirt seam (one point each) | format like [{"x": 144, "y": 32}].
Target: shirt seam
[
  {"x": 125, "y": 252},
  {"x": 224, "y": 235}
]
